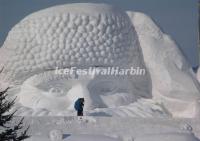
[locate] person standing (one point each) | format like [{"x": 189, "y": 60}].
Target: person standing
[{"x": 79, "y": 105}]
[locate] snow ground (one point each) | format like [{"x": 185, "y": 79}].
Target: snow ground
[
  {"x": 79, "y": 138},
  {"x": 109, "y": 129}
]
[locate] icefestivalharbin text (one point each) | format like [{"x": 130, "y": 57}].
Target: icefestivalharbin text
[{"x": 101, "y": 71}]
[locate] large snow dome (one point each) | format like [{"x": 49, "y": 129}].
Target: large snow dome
[{"x": 97, "y": 35}]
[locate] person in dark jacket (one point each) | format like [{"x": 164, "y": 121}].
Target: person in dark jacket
[{"x": 79, "y": 104}]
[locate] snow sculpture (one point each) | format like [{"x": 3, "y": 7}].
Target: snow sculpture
[
  {"x": 91, "y": 35},
  {"x": 198, "y": 75},
  {"x": 173, "y": 81},
  {"x": 97, "y": 35}
]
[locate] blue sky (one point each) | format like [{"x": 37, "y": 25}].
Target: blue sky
[{"x": 178, "y": 18}]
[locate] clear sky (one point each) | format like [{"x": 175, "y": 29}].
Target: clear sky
[{"x": 178, "y": 18}]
